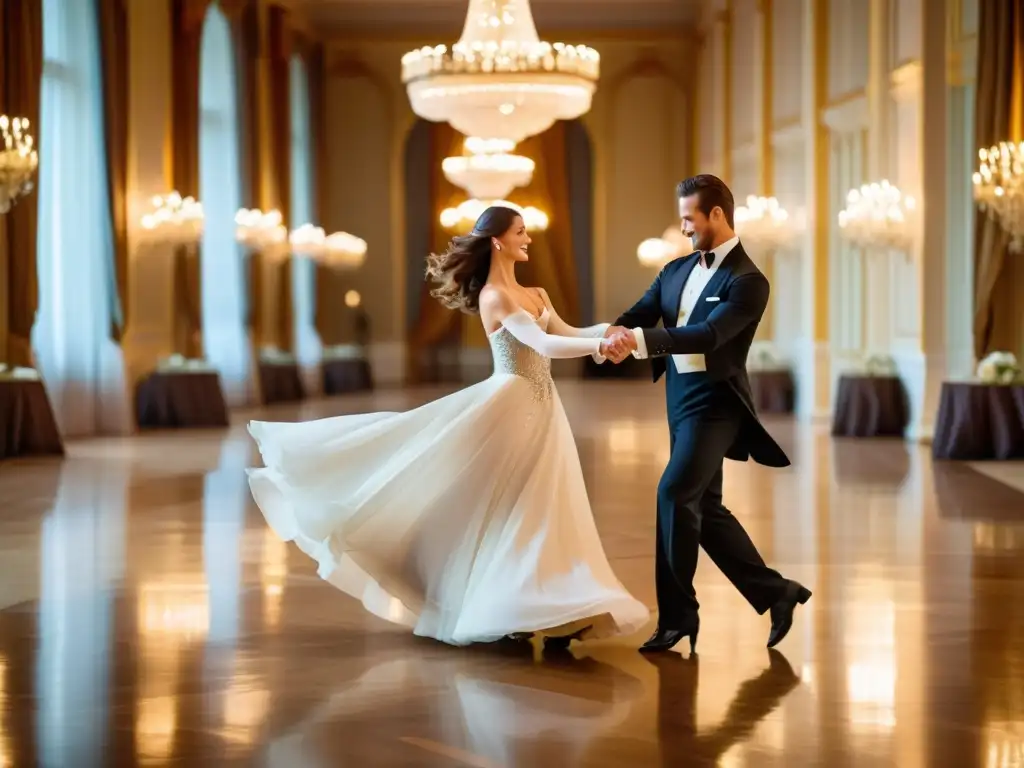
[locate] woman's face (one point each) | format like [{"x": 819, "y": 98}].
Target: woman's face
[{"x": 515, "y": 241}]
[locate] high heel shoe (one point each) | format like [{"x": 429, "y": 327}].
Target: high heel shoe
[
  {"x": 562, "y": 643},
  {"x": 665, "y": 639}
]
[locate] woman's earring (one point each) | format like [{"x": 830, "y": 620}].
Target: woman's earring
[{"x": 497, "y": 245}]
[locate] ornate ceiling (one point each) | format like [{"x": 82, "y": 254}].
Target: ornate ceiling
[{"x": 345, "y": 17}]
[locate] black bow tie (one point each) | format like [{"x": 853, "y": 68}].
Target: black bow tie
[{"x": 709, "y": 259}]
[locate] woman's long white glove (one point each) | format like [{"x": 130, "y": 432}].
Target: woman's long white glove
[{"x": 526, "y": 330}]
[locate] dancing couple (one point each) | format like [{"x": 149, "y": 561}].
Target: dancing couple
[{"x": 467, "y": 519}]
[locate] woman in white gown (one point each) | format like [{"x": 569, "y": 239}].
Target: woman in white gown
[{"x": 466, "y": 519}]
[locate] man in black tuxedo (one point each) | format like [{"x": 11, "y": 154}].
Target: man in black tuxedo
[{"x": 709, "y": 304}]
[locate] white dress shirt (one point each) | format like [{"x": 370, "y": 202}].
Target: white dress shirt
[{"x": 692, "y": 289}]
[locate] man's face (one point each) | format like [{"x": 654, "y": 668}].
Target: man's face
[{"x": 694, "y": 224}]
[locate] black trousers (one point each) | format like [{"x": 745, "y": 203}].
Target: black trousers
[{"x": 691, "y": 514}]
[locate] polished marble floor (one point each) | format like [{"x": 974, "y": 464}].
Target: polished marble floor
[{"x": 147, "y": 617}]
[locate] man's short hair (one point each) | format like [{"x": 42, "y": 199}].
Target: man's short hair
[{"x": 711, "y": 192}]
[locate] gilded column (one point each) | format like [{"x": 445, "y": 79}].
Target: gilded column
[
  {"x": 878, "y": 272},
  {"x": 762, "y": 96},
  {"x": 815, "y": 396}
]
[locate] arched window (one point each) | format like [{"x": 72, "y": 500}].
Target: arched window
[
  {"x": 307, "y": 343},
  {"x": 83, "y": 368},
  {"x": 225, "y": 338}
]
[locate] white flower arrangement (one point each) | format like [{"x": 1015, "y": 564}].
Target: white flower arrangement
[
  {"x": 180, "y": 364},
  {"x": 18, "y": 373},
  {"x": 344, "y": 352},
  {"x": 762, "y": 357},
  {"x": 998, "y": 368},
  {"x": 276, "y": 356},
  {"x": 876, "y": 364}
]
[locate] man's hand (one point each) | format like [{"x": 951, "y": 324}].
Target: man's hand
[{"x": 619, "y": 346}]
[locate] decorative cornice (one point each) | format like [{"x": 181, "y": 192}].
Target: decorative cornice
[
  {"x": 847, "y": 116},
  {"x": 792, "y": 134},
  {"x": 906, "y": 80}
]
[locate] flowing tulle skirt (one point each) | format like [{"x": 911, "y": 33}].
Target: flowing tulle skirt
[{"x": 465, "y": 519}]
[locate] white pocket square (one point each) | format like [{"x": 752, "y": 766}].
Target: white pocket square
[{"x": 713, "y": 298}]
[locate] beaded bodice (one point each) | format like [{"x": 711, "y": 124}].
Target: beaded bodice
[{"x": 512, "y": 357}]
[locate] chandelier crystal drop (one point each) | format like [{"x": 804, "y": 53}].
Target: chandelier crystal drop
[
  {"x": 999, "y": 187},
  {"x": 488, "y": 170},
  {"x": 763, "y": 223},
  {"x": 500, "y": 81},
  {"x": 878, "y": 215},
  {"x": 18, "y": 161},
  {"x": 462, "y": 218}
]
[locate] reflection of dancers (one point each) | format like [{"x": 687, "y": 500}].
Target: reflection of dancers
[
  {"x": 476, "y": 708},
  {"x": 756, "y": 698}
]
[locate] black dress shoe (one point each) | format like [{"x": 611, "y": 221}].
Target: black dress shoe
[
  {"x": 782, "y": 611},
  {"x": 665, "y": 639}
]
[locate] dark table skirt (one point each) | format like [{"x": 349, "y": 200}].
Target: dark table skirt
[
  {"x": 180, "y": 400},
  {"x": 27, "y": 424},
  {"x": 281, "y": 383},
  {"x": 773, "y": 391},
  {"x": 341, "y": 376},
  {"x": 978, "y": 422},
  {"x": 870, "y": 406}
]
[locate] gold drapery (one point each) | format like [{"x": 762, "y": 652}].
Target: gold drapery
[
  {"x": 113, "y": 24},
  {"x": 435, "y": 325},
  {"x": 552, "y": 262},
  {"x": 187, "y": 21},
  {"x": 21, "y": 72},
  {"x": 279, "y": 63},
  {"x": 999, "y": 116},
  {"x": 316, "y": 78},
  {"x": 248, "y": 47}
]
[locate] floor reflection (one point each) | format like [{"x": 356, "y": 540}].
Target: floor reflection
[{"x": 149, "y": 617}]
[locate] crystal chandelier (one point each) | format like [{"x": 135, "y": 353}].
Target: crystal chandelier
[
  {"x": 499, "y": 81},
  {"x": 878, "y": 216},
  {"x": 487, "y": 170},
  {"x": 18, "y": 161},
  {"x": 339, "y": 249},
  {"x": 763, "y": 223},
  {"x": 464, "y": 216},
  {"x": 261, "y": 231},
  {"x": 999, "y": 187},
  {"x": 174, "y": 220},
  {"x": 656, "y": 252}
]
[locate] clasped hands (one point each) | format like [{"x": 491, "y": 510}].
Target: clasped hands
[{"x": 618, "y": 343}]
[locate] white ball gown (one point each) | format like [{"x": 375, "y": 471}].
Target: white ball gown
[{"x": 466, "y": 519}]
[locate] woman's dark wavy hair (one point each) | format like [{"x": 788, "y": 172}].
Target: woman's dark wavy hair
[{"x": 460, "y": 272}]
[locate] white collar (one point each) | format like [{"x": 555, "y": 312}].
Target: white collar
[{"x": 723, "y": 250}]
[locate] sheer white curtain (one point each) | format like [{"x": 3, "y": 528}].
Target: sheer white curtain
[
  {"x": 225, "y": 339},
  {"x": 307, "y": 342},
  {"x": 83, "y": 368}
]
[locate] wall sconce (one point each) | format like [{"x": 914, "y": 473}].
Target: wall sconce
[
  {"x": 263, "y": 232},
  {"x": 174, "y": 220},
  {"x": 656, "y": 252},
  {"x": 339, "y": 249}
]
